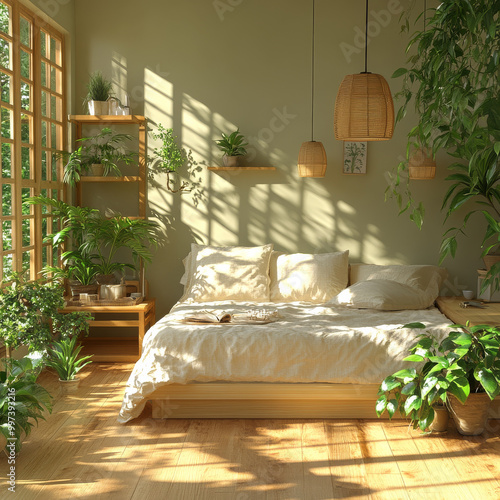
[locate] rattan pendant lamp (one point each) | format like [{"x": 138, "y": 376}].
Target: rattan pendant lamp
[
  {"x": 422, "y": 165},
  {"x": 364, "y": 110},
  {"x": 312, "y": 154}
]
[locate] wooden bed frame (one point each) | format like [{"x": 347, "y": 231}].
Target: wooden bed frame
[{"x": 270, "y": 400}]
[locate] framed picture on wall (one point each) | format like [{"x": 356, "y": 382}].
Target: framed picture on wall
[{"x": 355, "y": 157}]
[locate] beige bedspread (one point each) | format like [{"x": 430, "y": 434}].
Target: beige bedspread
[{"x": 310, "y": 343}]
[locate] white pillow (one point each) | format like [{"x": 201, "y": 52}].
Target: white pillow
[
  {"x": 228, "y": 273},
  {"x": 308, "y": 277},
  {"x": 385, "y": 295}
]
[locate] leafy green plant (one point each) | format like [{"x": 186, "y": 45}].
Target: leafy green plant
[
  {"x": 63, "y": 358},
  {"x": 22, "y": 400},
  {"x": 169, "y": 157},
  {"x": 98, "y": 88},
  {"x": 233, "y": 144},
  {"x": 106, "y": 148},
  {"x": 452, "y": 81},
  {"x": 29, "y": 314},
  {"x": 466, "y": 361}
]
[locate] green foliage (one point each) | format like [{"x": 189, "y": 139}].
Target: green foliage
[
  {"x": 29, "y": 314},
  {"x": 106, "y": 148},
  {"x": 233, "y": 144},
  {"x": 453, "y": 82},
  {"x": 63, "y": 358},
  {"x": 98, "y": 88},
  {"x": 94, "y": 240},
  {"x": 21, "y": 398},
  {"x": 466, "y": 361}
]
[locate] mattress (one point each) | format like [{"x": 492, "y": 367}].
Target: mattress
[{"x": 308, "y": 343}]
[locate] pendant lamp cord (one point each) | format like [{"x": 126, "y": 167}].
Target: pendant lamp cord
[
  {"x": 312, "y": 77},
  {"x": 366, "y": 38}
]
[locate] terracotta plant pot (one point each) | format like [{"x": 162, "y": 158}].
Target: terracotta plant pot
[
  {"x": 96, "y": 170},
  {"x": 230, "y": 161},
  {"x": 440, "y": 422},
  {"x": 471, "y": 417},
  {"x": 69, "y": 386}
]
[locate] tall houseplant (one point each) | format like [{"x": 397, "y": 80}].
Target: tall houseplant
[{"x": 452, "y": 81}]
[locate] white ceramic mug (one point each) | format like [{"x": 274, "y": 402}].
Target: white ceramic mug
[{"x": 468, "y": 294}]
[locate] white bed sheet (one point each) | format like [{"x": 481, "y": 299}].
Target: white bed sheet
[{"x": 309, "y": 343}]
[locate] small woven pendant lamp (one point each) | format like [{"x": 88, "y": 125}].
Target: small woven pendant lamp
[
  {"x": 364, "y": 110},
  {"x": 422, "y": 165},
  {"x": 312, "y": 154}
]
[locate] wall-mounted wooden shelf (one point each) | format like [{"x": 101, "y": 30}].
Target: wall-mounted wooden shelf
[
  {"x": 241, "y": 168},
  {"x": 126, "y": 178},
  {"x": 106, "y": 119}
]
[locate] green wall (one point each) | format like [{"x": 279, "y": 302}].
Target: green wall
[{"x": 206, "y": 66}]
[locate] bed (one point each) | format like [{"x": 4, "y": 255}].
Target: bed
[{"x": 323, "y": 357}]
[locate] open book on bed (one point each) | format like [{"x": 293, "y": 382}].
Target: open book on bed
[{"x": 207, "y": 317}]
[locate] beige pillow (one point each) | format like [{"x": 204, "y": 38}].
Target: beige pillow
[
  {"x": 308, "y": 277},
  {"x": 227, "y": 273},
  {"x": 385, "y": 295}
]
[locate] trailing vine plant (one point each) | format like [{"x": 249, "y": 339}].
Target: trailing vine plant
[{"x": 452, "y": 80}]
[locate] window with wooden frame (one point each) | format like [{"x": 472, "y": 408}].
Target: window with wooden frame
[{"x": 32, "y": 107}]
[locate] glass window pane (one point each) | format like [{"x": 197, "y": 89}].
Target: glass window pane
[
  {"x": 7, "y": 235},
  {"x": 25, "y": 32},
  {"x": 53, "y": 107},
  {"x": 7, "y": 266},
  {"x": 55, "y": 163},
  {"x": 26, "y": 96},
  {"x": 7, "y": 123},
  {"x": 25, "y": 194},
  {"x": 43, "y": 192},
  {"x": 44, "y": 74},
  {"x": 26, "y": 129},
  {"x": 6, "y": 85},
  {"x": 44, "y": 165},
  {"x": 26, "y": 232},
  {"x": 44, "y": 104},
  {"x": 43, "y": 43},
  {"x": 6, "y": 199},
  {"x": 5, "y": 17},
  {"x": 5, "y": 54},
  {"x": 44, "y": 133},
  {"x": 53, "y": 136},
  {"x": 6, "y": 160},
  {"x": 53, "y": 85},
  {"x": 26, "y": 163},
  {"x": 25, "y": 64},
  {"x": 27, "y": 261},
  {"x": 55, "y": 259},
  {"x": 58, "y": 87},
  {"x": 44, "y": 256},
  {"x": 44, "y": 227}
]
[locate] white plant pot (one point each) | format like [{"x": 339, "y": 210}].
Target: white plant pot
[{"x": 98, "y": 108}]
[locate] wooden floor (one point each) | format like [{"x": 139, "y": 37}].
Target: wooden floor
[{"x": 82, "y": 452}]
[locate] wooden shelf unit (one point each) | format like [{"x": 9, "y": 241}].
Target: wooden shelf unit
[
  {"x": 141, "y": 179},
  {"x": 118, "y": 349},
  {"x": 241, "y": 168}
]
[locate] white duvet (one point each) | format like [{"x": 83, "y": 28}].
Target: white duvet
[{"x": 309, "y": 343}]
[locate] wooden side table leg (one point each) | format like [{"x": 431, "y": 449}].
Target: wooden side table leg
[{"x": 142, "y": 330}]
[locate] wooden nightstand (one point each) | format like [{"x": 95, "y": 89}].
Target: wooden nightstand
[
  {"x": 450, "y": 307},
  {"x": 118, "y": 348}
]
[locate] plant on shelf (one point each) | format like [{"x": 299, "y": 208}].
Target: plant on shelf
[
  {"x": 29, "y": 314},
  {"x": 169, "y": 157},
  {"x": 99, "y": 90},
  {"x": 99, "y": 154},
  {"x": 22, "y": 397},
  {"x": 63, "y": 358},
  {"x": 233, "y": 146},
  {"x": 94, "y": 240},
  {"x": 463, "y": 371},
  {"x": 457, "y": 53}
]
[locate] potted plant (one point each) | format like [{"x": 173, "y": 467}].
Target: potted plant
[
  {"x": 98, "y": 155},
  {"x": 63, "y": 358},
  {"x": 233, "y": 146},
  {"x": 452, "y": 81},
  {"x": 99, "y": 91},
  {"x": 169, "y": 157},
  {"x": 463, "y": 371},
  {"x": 23, "y": 397}
]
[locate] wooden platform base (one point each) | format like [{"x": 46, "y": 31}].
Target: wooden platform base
[{"x": 265, "y": 400}]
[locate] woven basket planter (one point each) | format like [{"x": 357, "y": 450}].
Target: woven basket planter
[
  {"x": 312, "y": 159},
  {"x": 441, "y": 418},
  {"x": 421, "y": 166},
  {"x": 471, "y": 417},
  {"x": 490, "y": 260},
  {"x": 77, "y": 289},
  {"x": 68, "y": 386},
  {"x": 364, "y": 110}
]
